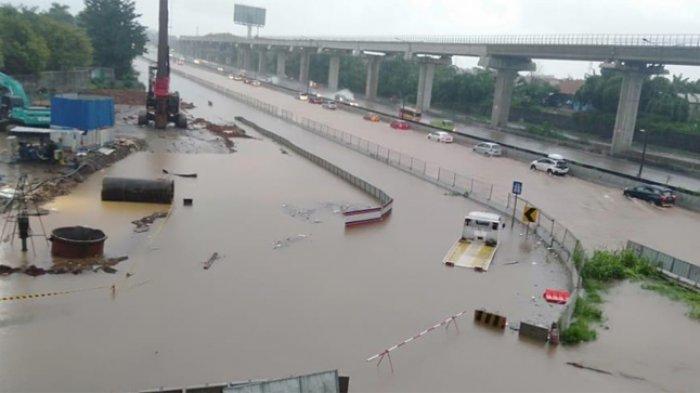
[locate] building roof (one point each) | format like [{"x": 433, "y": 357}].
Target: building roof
[{"x": 570, "y": 86}]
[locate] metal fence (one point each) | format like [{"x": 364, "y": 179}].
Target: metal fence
[
  {"x": 556, "y": 236},
  {"x": 683, "y": 271}
]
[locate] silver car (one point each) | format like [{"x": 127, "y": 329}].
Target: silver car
[{"x": 488, "y": 148}]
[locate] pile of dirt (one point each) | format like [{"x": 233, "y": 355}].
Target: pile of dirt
[
  {"x": 186, "y": 105},
  {"x": 65, "y": 266},
  {"x": 225, "y": 131},
  {"x": 44, "y": 190},
  {"x": 123, "y": 97}
]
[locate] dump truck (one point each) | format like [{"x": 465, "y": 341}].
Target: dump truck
[
  {"x": 477, "y": 245},
  {"x": 16, "y": 107}
]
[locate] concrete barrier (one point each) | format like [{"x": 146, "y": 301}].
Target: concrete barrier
[
  {"x": 490, "y": 319},
  {"x": 533, "y": 331},
  {"x": 351, "y": 217}
]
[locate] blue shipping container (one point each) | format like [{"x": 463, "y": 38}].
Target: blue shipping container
[{"x": 84, "y": 112}]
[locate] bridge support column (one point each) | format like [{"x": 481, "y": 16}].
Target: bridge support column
[
  {"x": 246, "y": 54},
  {"x": 304, "y": 62},
  {"x": 372, "y": 82},
  {"x": 262, "y": 62},
  {"x": 333, "y": 72},
  {"x": 506, "y": 70},
  {"x": 633, "y": 75},
  {"x": 281, "y": 64},
  {"x": 426, "y": 75}
]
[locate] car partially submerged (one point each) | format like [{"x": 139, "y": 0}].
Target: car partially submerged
[
  {"x": 400, "y": 125},
  {"x": 373, "y": 117},
  {"x": 440, "y": 136},
  {"x": 488, "y": 148},
  {"x": 658, "y": 195},
  {"x": 329, "y": 105}
]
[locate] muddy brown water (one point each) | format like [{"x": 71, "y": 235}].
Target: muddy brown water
[{"x": 329, "y": 300}]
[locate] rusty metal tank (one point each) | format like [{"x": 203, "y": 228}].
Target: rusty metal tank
[{"x": 77, "y": 242}]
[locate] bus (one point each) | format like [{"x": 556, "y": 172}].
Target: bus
[{"x": 411, "y": 114}]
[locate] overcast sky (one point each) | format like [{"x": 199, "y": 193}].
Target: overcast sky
[{"x": 452, "y": 17}]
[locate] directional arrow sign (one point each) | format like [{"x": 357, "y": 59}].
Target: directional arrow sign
[{"x": 530, "y": 214}]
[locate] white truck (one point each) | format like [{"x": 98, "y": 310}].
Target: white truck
[{"x": 477, "y": 245}]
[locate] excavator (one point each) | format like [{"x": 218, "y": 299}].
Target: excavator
[
  {"x": 162, "y": 106},
  {"x": 15, "y": 106}
]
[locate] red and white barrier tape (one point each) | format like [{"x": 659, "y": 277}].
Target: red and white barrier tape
[{"x": 445, "y": 322}]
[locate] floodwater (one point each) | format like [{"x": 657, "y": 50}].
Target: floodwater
[
  {"x": 651, "y": 172},
  {"x": 599, "y": 215},
  {"x": 329, "y": 300}
]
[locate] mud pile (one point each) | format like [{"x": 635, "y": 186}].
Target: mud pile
[{"x": 225, "y": 131}]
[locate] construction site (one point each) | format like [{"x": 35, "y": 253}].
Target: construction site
[{"x": 216, "y": 232}]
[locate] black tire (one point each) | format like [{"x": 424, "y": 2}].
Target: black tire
[
  {"x": 532, "y": 167},
  {"x": 549, "y": 172},
  {"x": 181, "y": 121},
  {"x": 142, "y": 119}
]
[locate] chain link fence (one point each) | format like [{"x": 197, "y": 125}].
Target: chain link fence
[{"x": 559, "y": 239}]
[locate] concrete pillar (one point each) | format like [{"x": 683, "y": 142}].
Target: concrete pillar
[
  {"x": 246, "y": 52},
  {"x": 633, "y": 75},
  {"x": 506, "y": 70},
  {"x": 502, "y": 97},
  {"x": 425, "y": 86},
  {"x": 281, "y": 64},
  {"x": 333, "y": 73},
  {"x": 304, "y": 62},
  {"x": 262, "y": 62},
  {"x": 372, "y": 77}
]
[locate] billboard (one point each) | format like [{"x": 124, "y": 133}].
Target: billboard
[{"x": 249, "y": 16}]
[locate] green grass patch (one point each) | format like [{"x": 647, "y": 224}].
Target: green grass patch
[{"x": 606, "y": 267}]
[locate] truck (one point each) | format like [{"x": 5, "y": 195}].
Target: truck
[
  {"x": 16, "y": 108},
  {"x": 477, "y": 245}
]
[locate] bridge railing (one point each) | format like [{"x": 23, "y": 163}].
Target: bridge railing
[{"x": 635, "y": 40}]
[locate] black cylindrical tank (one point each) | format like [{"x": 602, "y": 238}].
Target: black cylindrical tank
[{"x": 137, "y": 190}]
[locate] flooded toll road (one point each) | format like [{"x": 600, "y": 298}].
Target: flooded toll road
[
  {"x": 329, "y": 300},
  {"x": 598, "y": 215}
]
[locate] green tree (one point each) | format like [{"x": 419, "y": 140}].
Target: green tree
[
  {"x": 60, "y": 13},
  {"x": 69, "y": 46},
  {"x": 117, "y": 37},
  {"x": 24, "y": 51}
]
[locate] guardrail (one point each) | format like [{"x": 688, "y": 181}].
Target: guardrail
[
  {"x": 556, "y": 236},
  {"x": 685, "y": 272},
  {"x": 629, "y": 40}
]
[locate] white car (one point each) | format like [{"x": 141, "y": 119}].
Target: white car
[
  {"x": 231, "y": 76},
  {"x": 440, "y": 136},
  {"x": 551, "y": 166},
  {"x": 488, "y": 148},
  {"x": 303, "y": 97},
  {"x": 220, "y": 69}
]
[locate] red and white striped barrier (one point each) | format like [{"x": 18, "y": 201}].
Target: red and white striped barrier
[
  {"x": 366, "y": 216},
  {"x": 385, "y": 353}
]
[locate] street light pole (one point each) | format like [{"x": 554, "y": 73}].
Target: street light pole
[{"x": 644, "y": 153}]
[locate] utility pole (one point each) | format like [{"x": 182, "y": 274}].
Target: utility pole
[
  {"x": 644, "y": 152},
  {"x": 162, "y": 85}
]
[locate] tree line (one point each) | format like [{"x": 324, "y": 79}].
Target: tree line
[{"x": 105, "y": 33}]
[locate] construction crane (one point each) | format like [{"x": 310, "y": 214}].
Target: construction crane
[{"x": 162, "y": 106}]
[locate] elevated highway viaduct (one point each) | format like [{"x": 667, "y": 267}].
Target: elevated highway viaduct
[{"x": 634, "y": 56}]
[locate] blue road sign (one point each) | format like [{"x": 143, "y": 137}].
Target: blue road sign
[{"x": 517, "y": 187}]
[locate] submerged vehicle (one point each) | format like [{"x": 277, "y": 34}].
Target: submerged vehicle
[{"x": 477, "y": 245}]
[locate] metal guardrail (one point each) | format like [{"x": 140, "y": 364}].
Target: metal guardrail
[
  {"x": 673, "y": 267},
  {"x": 629, "y": 40},
  {"x": 556, "y": 236}
]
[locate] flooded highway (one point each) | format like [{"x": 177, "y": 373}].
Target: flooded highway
[
  {"x": 651, "y": 172},
  {"x": 329, "y": 300},
  {"x": 600, "y": 216}
]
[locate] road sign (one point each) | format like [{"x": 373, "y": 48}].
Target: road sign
[
  {"x": 517, "y": 187},
  {"x": 530, "y": 214}
]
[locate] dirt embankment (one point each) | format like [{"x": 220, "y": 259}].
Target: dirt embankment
[
  {"x": 42, "y": 191},
  {"x": 123, "y": 97},
  {"x": 225, "y": 131}
]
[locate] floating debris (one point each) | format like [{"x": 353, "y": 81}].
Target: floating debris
[
  {"x": 288, "y": 241},
  {"x": 143, "y": 224},
  {"x": 213, "y": 258}
]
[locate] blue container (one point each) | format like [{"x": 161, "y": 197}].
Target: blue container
[{"x": 84, "y": 112}]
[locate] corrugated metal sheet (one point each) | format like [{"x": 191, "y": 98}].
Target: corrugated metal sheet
[{"x": 84, "y": 112}]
